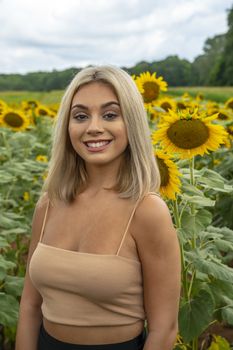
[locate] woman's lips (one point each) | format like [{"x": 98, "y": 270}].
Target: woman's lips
[{"x": 98, "y": 148}]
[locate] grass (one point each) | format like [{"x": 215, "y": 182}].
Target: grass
[
  {"x": 218, "y": 94},
  {"x": 46, "y": 98}
]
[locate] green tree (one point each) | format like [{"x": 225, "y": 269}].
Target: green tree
[
  {"x": 204, "y": 66},
  {"x": 223, "y": 74}
]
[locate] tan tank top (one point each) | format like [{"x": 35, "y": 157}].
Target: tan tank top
[{"x": 85, "y": 289}]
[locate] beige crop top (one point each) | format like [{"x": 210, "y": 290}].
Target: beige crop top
[{"x": 85, "y": 289}]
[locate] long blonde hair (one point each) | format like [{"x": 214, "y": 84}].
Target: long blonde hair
[{"x": 139, "y": 172}]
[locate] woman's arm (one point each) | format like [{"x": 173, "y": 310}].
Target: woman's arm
[
  {"x": 159, "y": 252},
  {"x": 30, "y": 316}
]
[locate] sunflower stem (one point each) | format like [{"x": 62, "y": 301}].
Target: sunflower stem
[
  {"x": 192, "y": 205},
  {"x": 191, "y": 167},
  {"x": 195, "y": 344},
  {"x": 176, "y": 214},
  {"x": 212, "y": 160},
  {"x": 184, "y": 269},
  {"x": 191, "y": 283},
  {"x": 192, "y": 181}
]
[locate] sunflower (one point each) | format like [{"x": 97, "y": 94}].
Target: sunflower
[
  {"x": 199, "y": 97},
  {"x": 54, "y": 107},
  {"x": 180, "y": 105},
  {"x": 152, "y": 113},
  {"x": 42, "y": 111},
  {"x": 224, "y": 114},
  {"x": 166, "y": 103},
  {"x": 26, "y": 196},
  {"x": 189, "y": 133},
  {"x": 229, "y": 103},
  {"x": 42, "y": 159},
  {"x": 169, "y": 173},
  {"x": 3, "y": 106},
  {"x": 150, "y": 86},
  {"x": 30, "y": 104},
  {"x": 229, "y": 129},
  {"x": 14, "y": 119}
]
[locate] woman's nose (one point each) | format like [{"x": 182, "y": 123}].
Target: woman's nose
[{"x": 95, "y": 125}]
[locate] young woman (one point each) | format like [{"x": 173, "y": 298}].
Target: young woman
[{"x": 104, "y": 260}]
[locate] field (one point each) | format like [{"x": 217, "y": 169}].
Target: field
[
  {"x": 192, "y": 136},
  {"x": 218, "y": 94}
]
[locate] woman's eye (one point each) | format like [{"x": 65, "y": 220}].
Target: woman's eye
[
  {"x": 110, "y": 116},
  {"x": 80, "y": 117}
]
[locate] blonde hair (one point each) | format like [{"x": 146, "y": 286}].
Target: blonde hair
[{"x": 138, "y": 173}]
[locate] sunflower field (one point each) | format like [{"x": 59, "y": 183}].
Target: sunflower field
[{"x": 193, "y": 145}]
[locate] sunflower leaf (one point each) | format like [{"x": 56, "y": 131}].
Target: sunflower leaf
[
  {"x": 202, "y": 201},
  {"x": 210, "y": 265},
  {"x": 14, "y": 285},
  {"x": 9, "y": 307},
  {"x": 192, "y": 320},
  {"x": 227, "y": 314},
  {"x": 191, "y": 190},
  {"x": 195, "y": 223}
]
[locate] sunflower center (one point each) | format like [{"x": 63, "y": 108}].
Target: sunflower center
[
  {"x": 188, "y": 134},
  {"x": 181, "y": 105},
  {"x": 230, "y": 130},
  {"x": 151, "y": 91},
  {"x": 164, "y": 174},
  {"x": 42, "y": 112},
  {"x": 230, "y": 104},
  {"x": 222, "y": 116},
  {"x": 13, "y": 119},
  {"x": 166, "y": 106}
]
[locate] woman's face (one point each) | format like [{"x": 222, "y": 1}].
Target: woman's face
[{"x": 96, "y": 127}]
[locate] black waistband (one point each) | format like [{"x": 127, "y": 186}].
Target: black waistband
[{"x": 47, "y": 342}]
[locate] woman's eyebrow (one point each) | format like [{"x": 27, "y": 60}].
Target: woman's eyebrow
[{"x": 107, "y": 104}]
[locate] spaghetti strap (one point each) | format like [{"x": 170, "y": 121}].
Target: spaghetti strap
[
  {"x": 42, "y": 229},
  {"x": 130, "y": 219}
]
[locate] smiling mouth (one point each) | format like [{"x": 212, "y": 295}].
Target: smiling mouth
[{"x": 97, "y": 145}]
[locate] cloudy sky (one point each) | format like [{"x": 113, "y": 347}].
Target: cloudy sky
[{"x": 48, "y": 34}]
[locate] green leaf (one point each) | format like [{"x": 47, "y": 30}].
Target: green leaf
[
  {"x": 197, "y": 222},
  {"x": 9, "y": 307},
  {"x": 15, "y": 230},
  {"x": 3, "y": 243},
  {"x": 224, "y": 231},
  {"x": 6, "y": 177},
  {"x": 191, "y": 190},
  {"x": 14, "y": 285},
  {"x": 5, "y": 264},
  {"x": 210, "y": 267},
  {"x": 227, "y": 314},
  {"x": 200, "y": 201},
  {"x": 192, "y": 320},
  {"x": 223, "y": 246},
  {"x": 222, "y": 291},
  {"x": 3, "y": 273},
  {"x": 217, "y": 184}
]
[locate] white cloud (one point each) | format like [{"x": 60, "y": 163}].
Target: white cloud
[{"x": 45, "y": 35}]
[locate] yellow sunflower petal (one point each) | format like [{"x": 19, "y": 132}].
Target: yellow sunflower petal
[
  {"x": 170, "y": 175},
  {"x": 229, "y": 103}
]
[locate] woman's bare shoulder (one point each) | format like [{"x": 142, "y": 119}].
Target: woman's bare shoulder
[
  {"x": 42, "y": 201},
  {"x": 151, "y": 207},
  {"x": 151, "y": 214}
]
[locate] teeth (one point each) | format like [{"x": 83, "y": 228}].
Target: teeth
[{"x": 97, "y": 144}]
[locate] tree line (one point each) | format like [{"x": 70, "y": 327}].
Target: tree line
[{"x": 213, "y": 68}]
